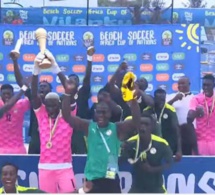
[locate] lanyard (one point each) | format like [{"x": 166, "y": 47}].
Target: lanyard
[
  {"x": 161, "y": 114},
  {"x": 104, "y": 141},
  {"x": 52, "y": 129},
  {"x": 209, "y": 112},
  {"x": 137, "y": 151}
]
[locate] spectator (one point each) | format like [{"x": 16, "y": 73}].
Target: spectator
[
  {"x": 136, "y": 14},
  {"x": 9, "y": 175},
  {"x": 55, "y": 136},
  {"x": 150, "y": 155},
  {"x": 167, "y": 122},
  {"x": 156, "y": 17},
  {"x": 11, "y": 121},
  {"x": 181, "y": 102},
  {"x": 202, "y": 109},
  {"x": 105, "y": 137}
]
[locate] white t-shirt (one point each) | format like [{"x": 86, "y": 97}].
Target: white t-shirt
[{"x": 181, "y": 107}]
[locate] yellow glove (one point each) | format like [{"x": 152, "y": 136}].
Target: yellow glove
[{"x": 127, "y": 88}]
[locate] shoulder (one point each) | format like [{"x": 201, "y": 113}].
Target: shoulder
[
  {"x": 169, "y": 107},
  {"x": 134, "y": 138},
  {"x": 1, "y": 190},
  {"x": 198, "y": 96},
  {"x": 23, "y": 100},
  {"x": 159, "y": 140},
  {"x": 40, "y": 109},
  {"x": 22, "y": 188}
]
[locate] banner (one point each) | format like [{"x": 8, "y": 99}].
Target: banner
[
  {"x": 191, "y": 175},
  {"x": 102, "y": 16},
  {"x": 161, "y": 54}
]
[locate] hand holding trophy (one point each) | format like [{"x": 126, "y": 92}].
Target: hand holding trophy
[
  {"x": 41, "y": 36},
  {"x": 14, "y": 54}
]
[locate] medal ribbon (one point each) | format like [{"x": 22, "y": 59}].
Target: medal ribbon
[
  {"x": 52, "y": 129},
  {"x": 138, "y": 147},
  {"x": 209, "y": 112}
]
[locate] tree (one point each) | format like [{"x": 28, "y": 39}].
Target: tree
[{"x": 195, "y": 4}]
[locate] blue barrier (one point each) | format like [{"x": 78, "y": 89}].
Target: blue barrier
[
  {"x": 101, "y": 16},
  {"x": 191, "y": 175}
]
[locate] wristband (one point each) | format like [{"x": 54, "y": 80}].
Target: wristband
[
  {"x": 66, "y": 94},
  {"x": 24, "y": 88},
  {"x": 72, "y": 105},
  {"x": 81, "y": 191},
  {"x": 36, "y": 70},
  {"x": 89, "y": 58},
  {"x": 56, "y": 69}
]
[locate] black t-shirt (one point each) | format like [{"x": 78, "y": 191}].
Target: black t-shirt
[
  {"x": 117, "y": 98},
  {"x": 143, "y": 181},
  {"x": 169, "y": 122}
]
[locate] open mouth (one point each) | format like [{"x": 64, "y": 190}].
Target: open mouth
[
  {"x": 100, "y": 120},
  {"x": 8, "y": 183}
]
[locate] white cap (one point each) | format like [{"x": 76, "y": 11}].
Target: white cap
[{"x": 52, "y": 95}]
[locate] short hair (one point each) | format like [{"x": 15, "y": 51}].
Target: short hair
[
  {"x": 7, "y": 86},
  {"x": 49, "y": 84},
  {"x": 9, "y": 164},
  {"x": 102, "y": 90},
  {"x": 159, "y": 91},
  {"x": 209, "y": 77},
  {"x": 145, "y": 114},
  {"x": 74, "y": 75},
  {"x": 101, "y": 103},
  {"x": 52, "y": 95}
]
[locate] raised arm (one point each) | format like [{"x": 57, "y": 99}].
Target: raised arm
[
  {"x": 18, "y": 75},
  {"x": 75, "y": 122},
  {"x": 8, "y": 105},
  {"x": 90, "y": 52},
  {"x": 129, "y": 95},
  {"x": 19, "y": 79},
  {"x": 36, "y": 100}
]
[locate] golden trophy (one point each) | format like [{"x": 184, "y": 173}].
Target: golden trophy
[{"x": 41, "y": 36}]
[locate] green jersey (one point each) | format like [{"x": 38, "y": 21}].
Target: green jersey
[
  {"x": 98, "y": 155},
  {"x": 142, "y": 181}
]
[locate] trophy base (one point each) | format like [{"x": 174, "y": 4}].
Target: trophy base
[{"x": 45, "y": 64}]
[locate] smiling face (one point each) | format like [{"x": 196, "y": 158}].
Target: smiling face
[
  {"x": 8, "y": 178},
  {"x": 44, "y": 89},
  {"x": 6, "y": 94},
  {"x": 102, "y": 114},
  {"x": 208, "y": 87}
]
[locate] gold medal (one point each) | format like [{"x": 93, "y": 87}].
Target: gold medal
[{"x": 48, "y": 145}]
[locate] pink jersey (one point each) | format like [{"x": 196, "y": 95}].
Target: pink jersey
[
  {"x": 11, "y": 124},
  {"x": 60, "y": 152},
  {"x": 205, "y": 126}
]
